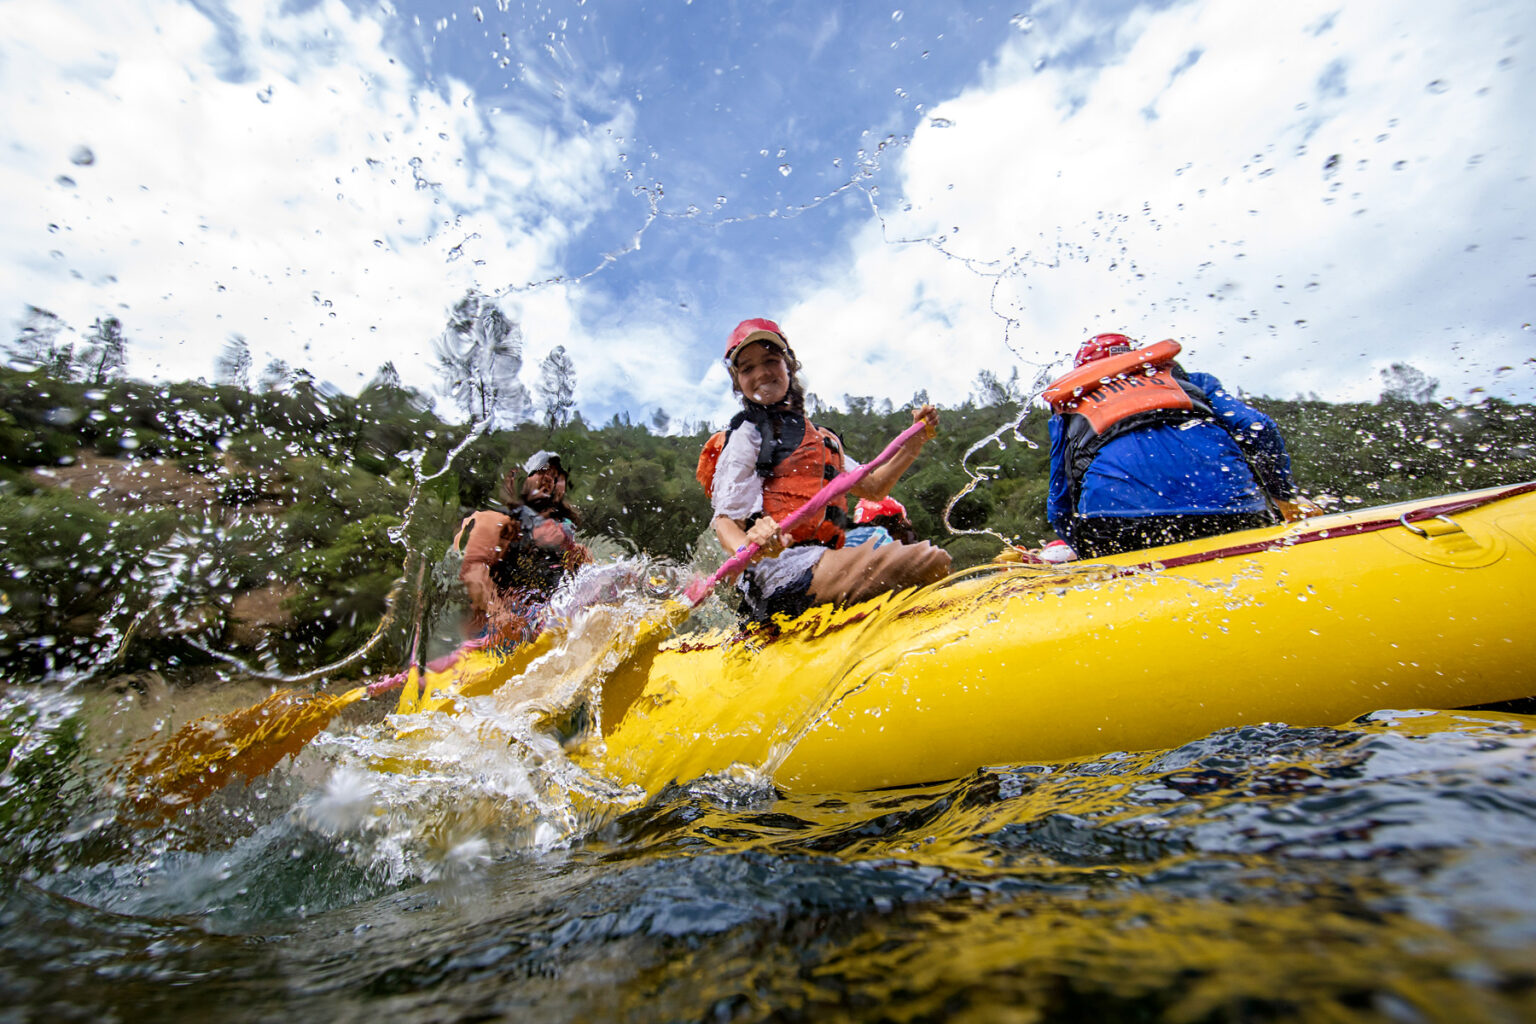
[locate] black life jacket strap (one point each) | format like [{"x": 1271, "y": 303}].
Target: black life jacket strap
[
  {"x": 1083, "y": 445},
  {"x": 779, "y": 433}
]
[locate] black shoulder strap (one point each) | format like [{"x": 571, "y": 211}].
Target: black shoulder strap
[
  {"x": 528, "y": 519},
  {"x": 730, "y": 428},
  {"x": 779, "y": 434},
  {"x": 1084, "y": 445}
]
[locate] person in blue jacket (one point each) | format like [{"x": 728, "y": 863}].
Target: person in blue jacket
[{"x": 1143, "y": 453}]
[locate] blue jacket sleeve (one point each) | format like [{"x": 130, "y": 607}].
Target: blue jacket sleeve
[
  {"x": 1058, "y": 510},
  {"x": 1255, "y": 433}
]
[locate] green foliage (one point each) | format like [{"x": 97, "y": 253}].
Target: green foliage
[
  {"x": 1397, "y": 450},
  {"x": 39, "y": 786},
  {"x": 647, "y": 502},
  {"x": 73, "y": 574},
  {"x": 44, "y": 418},
  {"x": 389, "y": 420},
  {"x": 308, "y": 486},
  {"x": 1010, "y": 473},
  {"x": 334, "y": 489},
  {"x": 343, "y": 587}
]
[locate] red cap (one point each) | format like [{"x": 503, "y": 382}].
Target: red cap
[
  {"x": 756, "y": 329},
  {"x": 1101, "y": 345},
  {"x": 868, "y": 511}
]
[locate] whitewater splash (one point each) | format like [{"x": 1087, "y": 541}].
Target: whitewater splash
[{"x": 434, "y": 794}]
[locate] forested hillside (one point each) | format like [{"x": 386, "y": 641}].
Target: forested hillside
[{"x": 146, "y": 525}]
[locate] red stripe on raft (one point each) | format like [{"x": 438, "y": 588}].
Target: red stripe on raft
[{"x": 1347, "y": 530}]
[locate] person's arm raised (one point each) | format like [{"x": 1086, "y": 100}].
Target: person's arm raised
[{"x": 878, "y": 483}]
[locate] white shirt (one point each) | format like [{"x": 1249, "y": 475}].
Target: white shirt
[{"x": 738, "y": 494}]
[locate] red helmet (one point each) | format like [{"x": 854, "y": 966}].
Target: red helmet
[
  {"x": 1101, "y": 345},
  {"x": 756, "y": 329},
  {"x": 868, "y": 511}
]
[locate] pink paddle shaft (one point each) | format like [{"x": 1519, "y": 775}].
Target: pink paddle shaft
[{"x": 839, "y": 485}]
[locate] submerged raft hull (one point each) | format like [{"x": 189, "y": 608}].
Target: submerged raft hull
[{"x": 1419, "y": 605}]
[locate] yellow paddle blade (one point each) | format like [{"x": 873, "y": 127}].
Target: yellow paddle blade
[
  {"x": 659, "y": 626},
  {"x": 205, "y": 755}
]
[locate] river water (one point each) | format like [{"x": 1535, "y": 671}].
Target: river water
[{"x": 1379, "y": 870}]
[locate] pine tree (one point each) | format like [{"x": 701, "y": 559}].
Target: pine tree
[
  {"x": 106, "y": 351},
  {"x": 276, "y": 377},
  {"x": 557, "y": 387},
  {"x": 479, "y": 357},
  {"x": 1404, "y": 382},
  {"x": 990, "y": 390},
  {"x": 387, "y": 379},
  {"x": 37, "y": 345},
  {"x": 233, "y": 365}
]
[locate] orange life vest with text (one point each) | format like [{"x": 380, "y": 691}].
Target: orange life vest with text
[{"x": 1120, "y": 386}]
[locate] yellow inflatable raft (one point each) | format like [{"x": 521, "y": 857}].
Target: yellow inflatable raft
[{"x": 1417, "y": 605}]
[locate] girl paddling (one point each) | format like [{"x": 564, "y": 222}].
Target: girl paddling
[{"x": 770, "y": 461}]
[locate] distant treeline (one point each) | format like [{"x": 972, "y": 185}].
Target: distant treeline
[{"x": 272, "y": 527}]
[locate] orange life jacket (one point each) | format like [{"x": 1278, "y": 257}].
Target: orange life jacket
[
  {"x": 1110, "y": 397},
  {"x": 794, "y": 480},
  {"x": 1126, "y": 384}
]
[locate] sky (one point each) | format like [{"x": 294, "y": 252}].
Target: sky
[{"x": 1301, "y": 194}]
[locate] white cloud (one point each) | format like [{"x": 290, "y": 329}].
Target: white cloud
[
  {"x": 1201, "y": 204},
  {"x": 278, "y": 174},
  {"x": 282, "y": 174},
  {"x": 628, "y": 352}
]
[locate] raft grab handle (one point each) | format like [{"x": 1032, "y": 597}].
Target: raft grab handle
[{"x": 1419, "y": 531}]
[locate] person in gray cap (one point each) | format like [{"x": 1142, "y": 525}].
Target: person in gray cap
[{"x": 515, "y": 555}]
